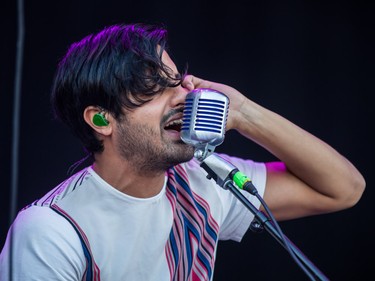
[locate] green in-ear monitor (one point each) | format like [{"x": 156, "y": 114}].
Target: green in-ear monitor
[{"x": 99, "y": 120}]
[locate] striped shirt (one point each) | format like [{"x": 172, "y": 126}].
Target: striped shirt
[{"x": 84, "y": 229}]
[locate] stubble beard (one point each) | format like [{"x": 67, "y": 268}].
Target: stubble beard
[{"x": 148, "y": 151}]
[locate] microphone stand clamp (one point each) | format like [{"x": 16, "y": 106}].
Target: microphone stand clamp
[{"x": 202, "y": 151}]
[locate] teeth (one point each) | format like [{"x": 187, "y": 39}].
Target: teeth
[{"x": 175, "y": 122}]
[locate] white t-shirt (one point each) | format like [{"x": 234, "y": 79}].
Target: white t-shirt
[{"x": 84, "y": 229}]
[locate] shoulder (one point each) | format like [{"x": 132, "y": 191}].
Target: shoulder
[
  {"x": 38, "y": 218},
  {"x": 43, "y": 242},
  {"x": 44, "y": 224}
]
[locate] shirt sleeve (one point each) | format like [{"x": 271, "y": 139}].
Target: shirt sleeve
[{"x": 41, "y": 245}]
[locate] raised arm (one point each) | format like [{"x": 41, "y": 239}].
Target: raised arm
[{"x": 311, "y": 177}]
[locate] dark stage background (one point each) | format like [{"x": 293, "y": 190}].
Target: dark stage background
[{"x": 310, "y": 61}]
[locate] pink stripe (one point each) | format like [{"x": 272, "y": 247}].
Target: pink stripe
[
  {"x": 199, "y": 217},
  {"x": 185, "y": 206},
  {"x": 211, "y": 220},
  {"x": 169, "y": 260}
]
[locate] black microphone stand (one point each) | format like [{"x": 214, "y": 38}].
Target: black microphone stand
[{"x": 222, "y": 172}]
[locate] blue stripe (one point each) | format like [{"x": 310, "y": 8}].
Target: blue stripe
[
  {"x": 190, "y": 229},
  {"x": 89, "y": 276},
  {"x": 203, "y": 211},
  {"x": 174, "y": 248}
]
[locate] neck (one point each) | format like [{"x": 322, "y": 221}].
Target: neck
[{"x": 128, "y": 179}]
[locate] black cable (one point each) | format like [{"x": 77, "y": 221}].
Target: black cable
[
  {"x": 249, "y": 187},
  {"x": 284, "y": 240},
  {"x": 16, "y": 124},
  {"x": 16, "y": 109},
  {"x": 226, "y": 175}
]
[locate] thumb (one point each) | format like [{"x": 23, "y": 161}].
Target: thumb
[{"x": 191, "y": 82}]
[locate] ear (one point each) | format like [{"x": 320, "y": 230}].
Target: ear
[{"x": 93, "y": 114}]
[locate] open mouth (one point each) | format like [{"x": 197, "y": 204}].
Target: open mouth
[{"x": 174, "y": 125}]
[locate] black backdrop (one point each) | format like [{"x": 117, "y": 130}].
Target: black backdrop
[{"x": 310, "y": 61}]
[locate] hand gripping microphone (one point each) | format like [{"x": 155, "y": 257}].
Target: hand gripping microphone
[
  {"x": 204, "y": 120},
  {"x": 203, "y": 126}
]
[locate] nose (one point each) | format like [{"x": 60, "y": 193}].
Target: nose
[{"x": 179, "y": 96}]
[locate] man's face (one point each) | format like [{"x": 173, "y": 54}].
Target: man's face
[{"x": 149, "y": 136}]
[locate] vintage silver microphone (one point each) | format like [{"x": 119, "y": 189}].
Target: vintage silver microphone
[
  {"x": 204, "y": 120},
  {"x": 203, "y": 126}
]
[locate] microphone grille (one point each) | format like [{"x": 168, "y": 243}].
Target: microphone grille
[{"x": 204, "y": 118}]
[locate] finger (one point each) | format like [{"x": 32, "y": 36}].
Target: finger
[
  {"x": 200, "y": 83},
  {"x": 187, "y": 83},
  {"x": 193, "y": 82}
]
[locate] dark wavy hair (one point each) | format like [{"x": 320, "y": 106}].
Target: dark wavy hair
[{"x": 118, "y": 67}]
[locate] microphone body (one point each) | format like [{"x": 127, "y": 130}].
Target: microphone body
[{"x": 204, "y": 120}]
